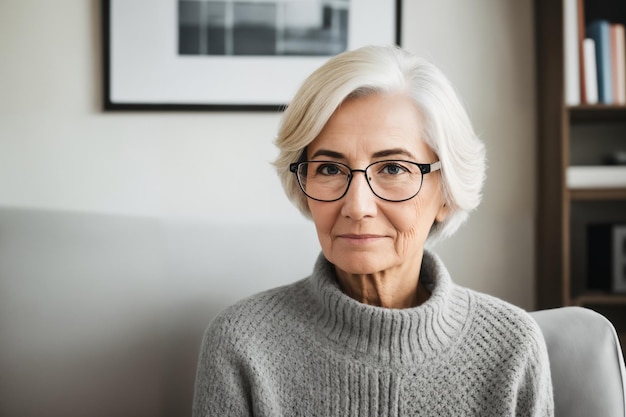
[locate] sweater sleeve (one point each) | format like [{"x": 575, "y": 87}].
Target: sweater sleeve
[
  {"x": 221, "y": 388},
  {"x": 534, "y": 385}
]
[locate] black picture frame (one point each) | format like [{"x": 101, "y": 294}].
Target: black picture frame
[{"x": 124, "y": 69}]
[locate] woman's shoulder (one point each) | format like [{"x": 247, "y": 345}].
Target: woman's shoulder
[
  {"x": 500, "y": 320},
  {"x": 257, "y": 313}
]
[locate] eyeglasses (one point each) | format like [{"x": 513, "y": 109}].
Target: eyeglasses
[{"x": 389, "y": 180}]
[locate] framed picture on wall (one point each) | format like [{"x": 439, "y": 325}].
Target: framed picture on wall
[{"x": 229, "y": 54}]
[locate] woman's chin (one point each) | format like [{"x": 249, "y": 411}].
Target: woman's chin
[{"x": 360, "y": 267}]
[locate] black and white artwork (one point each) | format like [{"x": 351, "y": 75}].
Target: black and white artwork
[
  {"x": 229, "y": 54},
  {"x": 279, "y": 27}
]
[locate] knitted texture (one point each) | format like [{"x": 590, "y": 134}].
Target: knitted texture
[{"x": 307, "y": 349}]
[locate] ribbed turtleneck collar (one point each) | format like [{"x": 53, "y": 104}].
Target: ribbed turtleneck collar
[{"x": 392, "y": 335}]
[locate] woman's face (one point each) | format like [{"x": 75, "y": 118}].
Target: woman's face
[{"x": 360, "y": 233}]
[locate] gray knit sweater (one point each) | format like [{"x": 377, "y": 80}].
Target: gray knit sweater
[{"x": 307, "y": 349}]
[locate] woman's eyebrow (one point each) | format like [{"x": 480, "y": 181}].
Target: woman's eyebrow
[
  {"x": 393, "y": 152},
  {"x": 380, "y": 154},
  {"x": 329, "y": 153}
]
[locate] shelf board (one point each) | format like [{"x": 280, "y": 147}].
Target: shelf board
[
  {"x": 597, "y": 113},
  {"x": 591, "y": 194},
  {"x": 598, "y": 299}
]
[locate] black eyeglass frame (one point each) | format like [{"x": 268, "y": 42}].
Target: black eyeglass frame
[{"x": 424, "y": 169}]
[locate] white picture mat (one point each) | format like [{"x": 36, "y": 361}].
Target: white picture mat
[{"x": 145, "y": 67}]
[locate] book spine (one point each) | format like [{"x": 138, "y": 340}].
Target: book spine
[
  {"x": 619, "y": 258},
  {"x": 599, "y": 31},
  {"x": 571, "y": 52},
  {"x": 581, "y": 55},
  {"x": 591, "y": 76},
  {"x": 619, "y": 64}
]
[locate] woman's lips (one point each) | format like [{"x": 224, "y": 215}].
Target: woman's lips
[{"x": 360, "y": 238}]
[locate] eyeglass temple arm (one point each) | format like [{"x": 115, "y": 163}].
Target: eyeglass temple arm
[{"x": 435, "y": 166}]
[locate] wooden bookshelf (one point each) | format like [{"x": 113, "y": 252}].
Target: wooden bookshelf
[
  {"x": 593, "y": 194},
  {"x": 564, "y": 213},
  {"x": 600, "y": 298}
]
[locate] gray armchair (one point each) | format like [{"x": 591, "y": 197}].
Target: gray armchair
[{"x": 586, "y": 361}]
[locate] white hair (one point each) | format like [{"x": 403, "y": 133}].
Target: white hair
[{"x": 387, "y": 69}]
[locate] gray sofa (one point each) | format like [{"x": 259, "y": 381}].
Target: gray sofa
[
  {"x": 102, "y": 315},
  {"x": 586, "y": 361}
]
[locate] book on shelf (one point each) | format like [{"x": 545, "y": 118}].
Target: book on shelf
[
  {"x": 583, "y": 62},
  {"x": 600, "y": 32},
  {"x": 599, "y": 176},
  {"x": 617, "y": 63},
  {"x": 606, "y": 257},
  {"x": 590, "y": 84},
  {"x": 571, "y": 52},
  {"x": 594, "y": 58}
]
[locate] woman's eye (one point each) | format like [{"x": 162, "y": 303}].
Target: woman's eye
[
  {"x": 329, "y": 169},
  {"x": 393, "y": 169}
]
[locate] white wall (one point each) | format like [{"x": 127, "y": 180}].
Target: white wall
[{"x": 486, "y": 47}]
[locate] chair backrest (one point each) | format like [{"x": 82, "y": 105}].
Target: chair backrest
[{"x": 586, "y": 361}]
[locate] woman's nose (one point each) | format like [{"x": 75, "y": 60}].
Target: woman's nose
[{"x": 359, "y": 201}]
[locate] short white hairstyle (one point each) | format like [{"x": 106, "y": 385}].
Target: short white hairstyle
[{"x": 389, "y": 69}]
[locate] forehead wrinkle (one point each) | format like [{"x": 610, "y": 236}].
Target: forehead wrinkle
[
  {"x": 329, "y": 153},
  {"x": 367, "y": 134}
]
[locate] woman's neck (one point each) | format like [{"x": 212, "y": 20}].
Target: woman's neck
[{"x": 397, "y": 288}]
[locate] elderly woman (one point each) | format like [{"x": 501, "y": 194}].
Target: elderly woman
[{"x": 378, "y": 151}]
